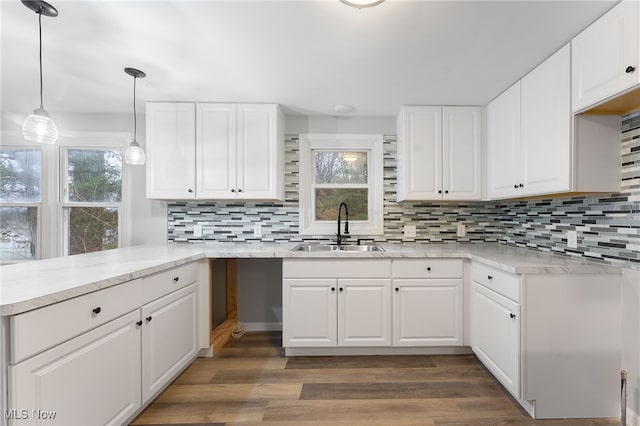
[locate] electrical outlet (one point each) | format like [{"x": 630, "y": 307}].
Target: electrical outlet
[
  {"x": 257, "y": 230},
  {"x": 572, "y": 239},
  {"x": 197, "y": 231},
  {"x": 409, "y": 231},
  {"x": 462, "y": 230}
]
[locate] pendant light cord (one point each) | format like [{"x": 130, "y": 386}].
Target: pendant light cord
[
  {"x": 135, "y": 120},
  {"x": 40, "y": 39}
]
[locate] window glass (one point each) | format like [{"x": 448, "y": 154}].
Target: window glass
[
  {"x": 327, "y": 201},
  {"x": 94, "y": 176},
  {"x": 18, "y": 232},
  {"x": 92, "y": 229},
  {"x": 340, "y": 167},
  {"x": 20, "y": 171}
]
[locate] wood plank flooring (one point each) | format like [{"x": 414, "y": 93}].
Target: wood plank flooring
[{"x": 251, "y": 382}]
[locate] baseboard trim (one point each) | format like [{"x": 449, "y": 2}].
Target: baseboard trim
[
  {"x": 439, "y": 350},
  {"x": 262, "y": 326}
]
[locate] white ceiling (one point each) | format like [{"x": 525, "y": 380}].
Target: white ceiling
[{"x": 305, "y": 55}]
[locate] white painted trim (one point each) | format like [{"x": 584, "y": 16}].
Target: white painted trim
[
  {"x": 432, "y": 350},
  {"x": 344, "y": 142}
]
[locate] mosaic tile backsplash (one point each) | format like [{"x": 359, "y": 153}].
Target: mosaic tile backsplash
[
  {"x": 234, "y": 221},
  {"x": 608, "y": 225}
]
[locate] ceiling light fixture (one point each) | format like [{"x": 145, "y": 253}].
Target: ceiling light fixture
[
  {"x": 134, "y": 153},
  {"x": 361, "y": 3},
  {"x": 350, "y": 157},
  {"x": 39, "y": 127}
]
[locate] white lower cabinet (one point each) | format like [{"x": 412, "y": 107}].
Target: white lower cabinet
[
  {"x": 322, "y": 310},
  {"x": 364, "y": 312},
  {"x": 552, "y": 339},
  {"x": 427, "y": 312},
  {"x": 496, "y": 335},
  {"x": 168, "y": 338},
  {"x": 113, "y": 351},
  {"x": 310, "y": 312},
  {"x": 77, "y": 381},
  {"x": 427, "y": 302},
  {"x": 336, "y": 312}
]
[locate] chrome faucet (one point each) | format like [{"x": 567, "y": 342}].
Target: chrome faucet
[{"x": 346, "y": 223}]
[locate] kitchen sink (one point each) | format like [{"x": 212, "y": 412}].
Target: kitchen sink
[
  {"x": 362, "y": 248},
  {"x": 314, "y": 247},
  {"x": 346, "y": 248}
]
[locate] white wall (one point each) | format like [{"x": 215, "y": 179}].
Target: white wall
[
  {"x": 322, "y": 124},
  {"x": 260, "y": 293}
]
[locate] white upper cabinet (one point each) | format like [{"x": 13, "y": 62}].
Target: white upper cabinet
[
  {"x": 503, "y": 143},
  {"x": 260, "y": 157},
  {"x": 235, "y": 151},
  {"x": 545, "y": 126},
  {"x": 461, "y": 153},
  {"x": 216, "y": 145},
  {"x": 535, "y": 146},
  {"x": 171, "y": 163},
  {"x": 605, "y": 57},
  {"x": 439, "y": 153}
]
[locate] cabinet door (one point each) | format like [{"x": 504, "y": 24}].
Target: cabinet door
[
  {"x": 364, "y": 312},
  {"x": 260, "y": 153},
  {"x": 427, "y": 312},
  {"x": 101, "y": 366},
  {"x": 309, "y": 316},
  {"x": 503, "y": 144},
  {"x": 601, "y": 55},
  {"x": 216, "y": 151},
  {"x": 495, "y": 335},
  {"x": 168, "y": 338},
  {"x": 461, "y": 158},
  {"x": 171, "y": 150},
  {"x": 545, "y": 145},
  {"x": 420, "y": 153}
]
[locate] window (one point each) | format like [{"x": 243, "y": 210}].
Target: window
[
  {"x": 336, "y": 169},
  {"x": 20, "y": 198},
  {"x": 62, "y": 199},
  {"x": 92, "y": 193}
]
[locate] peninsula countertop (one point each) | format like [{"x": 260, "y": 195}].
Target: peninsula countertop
[{"x": 30, "y": 285}]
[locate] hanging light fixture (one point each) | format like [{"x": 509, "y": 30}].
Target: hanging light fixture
[
  {"x": 134, "y": 153},
  {"x": 39, "y": 127},
  {"x": 362, "y": 3}
]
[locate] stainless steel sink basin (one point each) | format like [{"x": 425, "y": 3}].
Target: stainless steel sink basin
[
  {"x": 363, "y": 248},
  {"x": 310, "y": 247},
  {"x": 313, "y": 247}
]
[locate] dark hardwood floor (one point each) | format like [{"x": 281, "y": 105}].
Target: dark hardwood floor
[{"x": 251, "y": 382}]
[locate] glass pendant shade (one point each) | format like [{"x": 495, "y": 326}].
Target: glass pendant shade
[
  {"x": 361, "y": 3},
  {"x": 39, "y": 127},
  {"x": 134, "y": 154}
]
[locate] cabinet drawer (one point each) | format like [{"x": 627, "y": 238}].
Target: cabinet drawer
[
  {"x": 427, "y": 268},
  {"x": 157, "y": 285},
  {"x": 37, "y": 330},
  {"x": 334, "y": 268},
  {"x": 499, "y": 281}
]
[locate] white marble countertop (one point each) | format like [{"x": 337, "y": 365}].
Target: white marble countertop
[{"x": 27, "y": 286}]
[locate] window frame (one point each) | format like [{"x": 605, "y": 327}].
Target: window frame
[
  {"x": 370, "y": 143},
  {"x": 13, "y": 143},
  {"x": 50, "y": 215},
  {"x": 66, "y": 206}
]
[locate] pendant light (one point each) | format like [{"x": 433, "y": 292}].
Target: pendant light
[
  {"x": 39, "y": 127},
  {"x": 361, "y": 3},
  {"x": 134, "y": 153}
]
